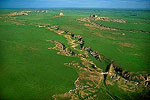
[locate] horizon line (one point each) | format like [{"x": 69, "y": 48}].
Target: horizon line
[{"x": 74, "y": 8}]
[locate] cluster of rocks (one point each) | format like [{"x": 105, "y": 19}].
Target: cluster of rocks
[
  {"x": 19, "y": 13},
  {"x": 95, "y": 17},
  {"x": 118, "y": 20},
  {"x": 42, "y": 11},
  {"x": 95, "y": 54},
  {"x": 101, "y": 26},
  {"x": 26, "y": 12},
  {"x": 41, "y": 26},
  {"x": 66, "y": 50},
  {"x": 84, "y": 19},
  {"x": 127, "y": 76},
  {"x": 78, "y": 37},
  {"x": 118, "y": 70},
  {"x": 112, "y": 20},
  {"x": 122, "y": 73},
  {"x": 62, "y": 48},
  {"x": 54, "y": 27},
  {"x": 59, "y": 15},
  {"x": 80, "y": 40},
  {"x": 93, "y": 66},
  {"x": 103, "y": 18},
  {"x": 81, "y": 44},
  {"x": 72, "y": 53},
  {"x": 147, "y": 82}
]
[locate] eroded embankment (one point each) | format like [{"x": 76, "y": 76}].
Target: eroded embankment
[
  {"x": 91, "y": 78},
  {"x": 90, "y": 22}
]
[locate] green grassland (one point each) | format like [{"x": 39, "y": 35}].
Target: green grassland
[
  {"x": 30, "y": 71},
  {"x": 125, "y": 57}
]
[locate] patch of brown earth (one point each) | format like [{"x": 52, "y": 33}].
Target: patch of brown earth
[
  {"x": 128, "y": 45},
  {"x": 94, "y": 25},
  {"x": 119, "y": 34},
  {"x": 136, "y": 54},
  {"x": 60, "y": 31},
  {"x": 90, "y": 25},
  {"x": 62, "y": 49},
  {"x": 19, "y": 13},
  {"x": 33, "y": 49},
  {"x": 86, "y": 85},
  {"x": 107, "y": 36},
  {"x": 128, "y": 86},
  {"x": 60, "y": 15}
]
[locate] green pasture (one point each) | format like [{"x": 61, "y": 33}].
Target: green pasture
[
  {"x": 107, "y": 45},
  {"x": 30, "y": 71}
]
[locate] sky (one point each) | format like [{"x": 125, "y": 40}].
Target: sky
[{"x": 131, "y": 4}]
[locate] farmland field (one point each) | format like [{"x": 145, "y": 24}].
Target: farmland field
[{"x": 77, "y": 54}]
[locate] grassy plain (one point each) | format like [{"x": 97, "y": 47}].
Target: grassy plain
[{"x": 30, "y": 71}]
